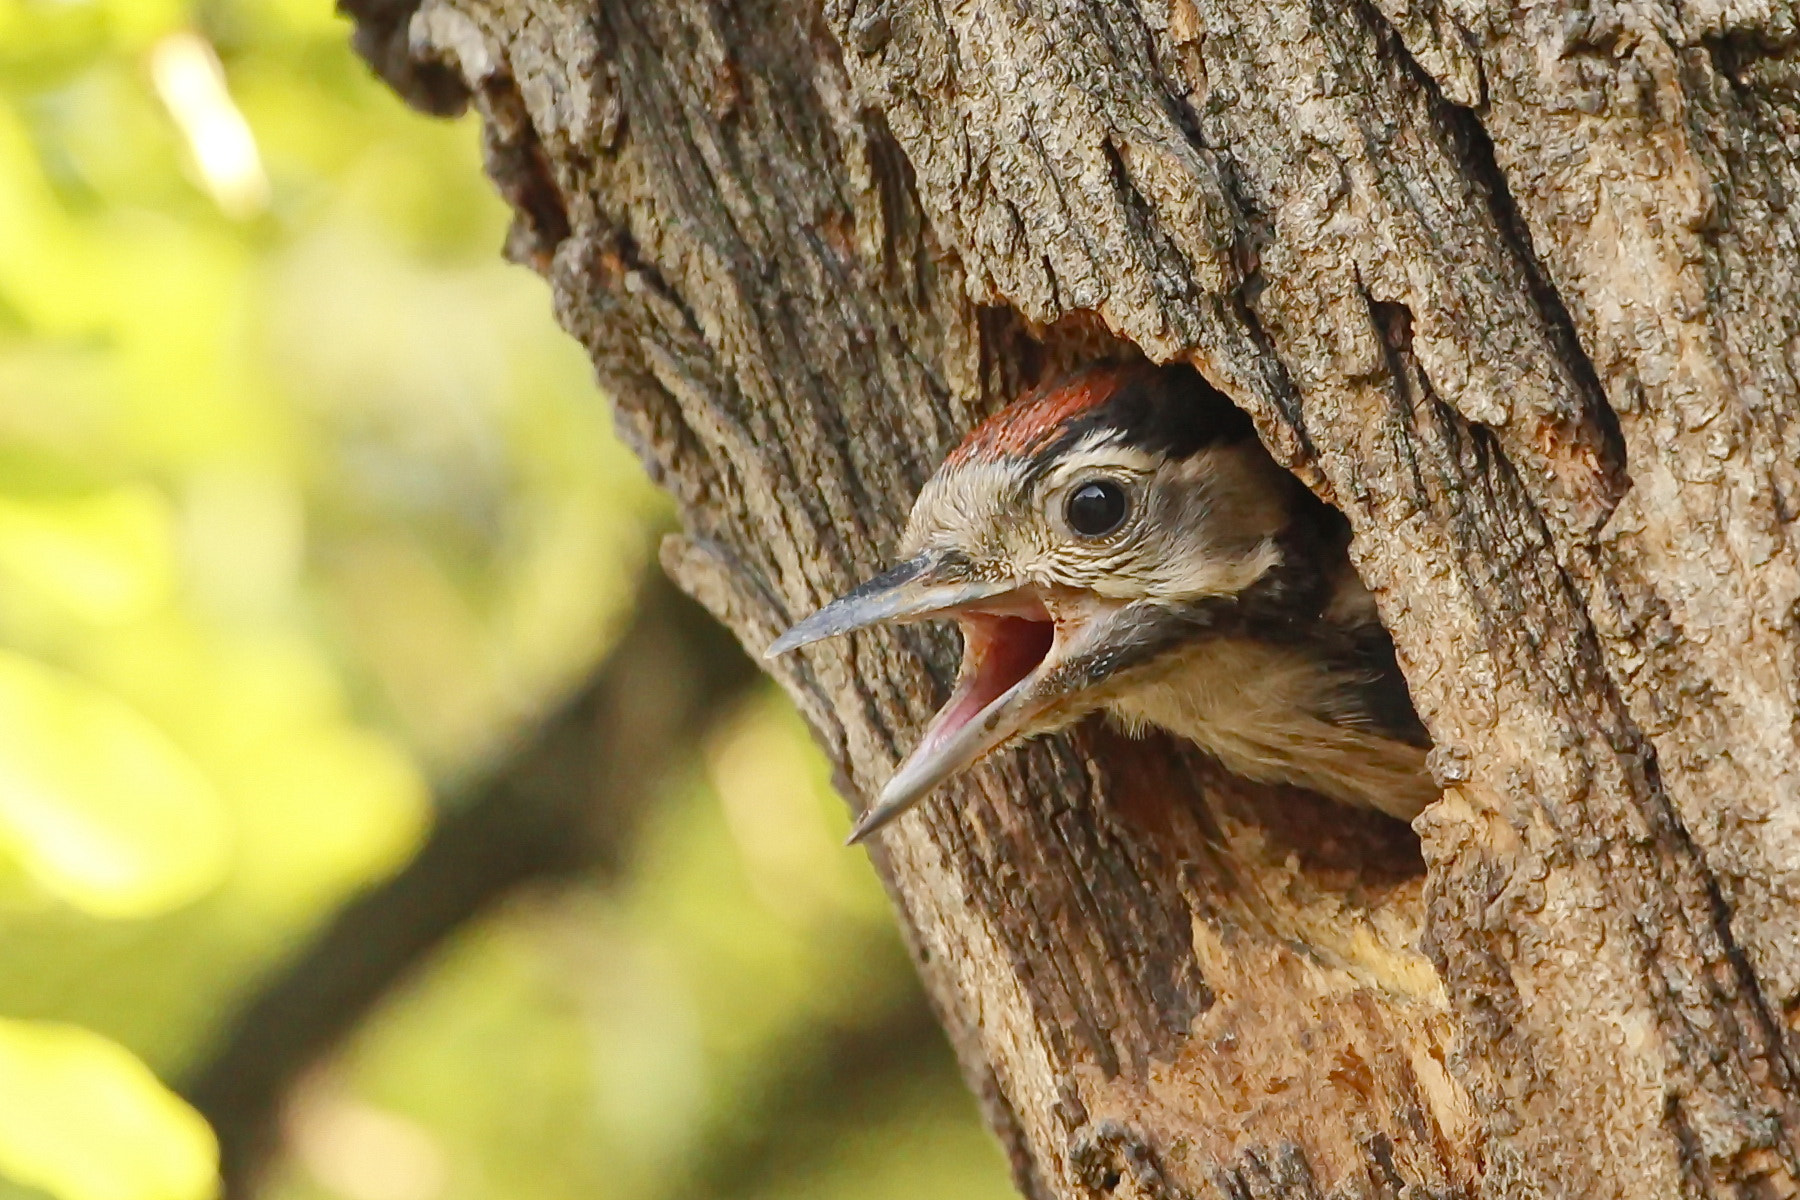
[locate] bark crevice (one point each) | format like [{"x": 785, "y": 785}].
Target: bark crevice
[{"x": 1609, "y": 472}]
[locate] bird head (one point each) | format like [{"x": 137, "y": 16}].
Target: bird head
[{"x": 1080, "y": 537}]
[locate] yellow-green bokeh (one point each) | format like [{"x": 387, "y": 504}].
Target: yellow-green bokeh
[{"x": 306, "y": 510}]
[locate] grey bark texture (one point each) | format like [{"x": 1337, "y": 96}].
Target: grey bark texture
[{"x": 1512, "y": 286}]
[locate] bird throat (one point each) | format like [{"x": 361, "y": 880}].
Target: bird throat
[{"x": 998, "y": 652}]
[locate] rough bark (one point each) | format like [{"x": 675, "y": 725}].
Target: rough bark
[{"x": 1511, "y": 286}]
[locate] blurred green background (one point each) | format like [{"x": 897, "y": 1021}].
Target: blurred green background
[{"x": 308, "y": 516}]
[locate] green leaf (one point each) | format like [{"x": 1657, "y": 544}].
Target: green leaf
[
  {"x": 84, "y": 1119},
  {"x": 96, "y": 803}
]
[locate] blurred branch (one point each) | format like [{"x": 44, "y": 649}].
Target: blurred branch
[
  {"x": 841, "y": 1079},
  {"x": 565, "y": 802}
]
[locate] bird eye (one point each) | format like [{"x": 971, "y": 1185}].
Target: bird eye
[{"x": 1096, "y": 508}]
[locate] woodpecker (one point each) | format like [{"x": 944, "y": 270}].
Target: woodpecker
[{"x": 1120, "y": 541}]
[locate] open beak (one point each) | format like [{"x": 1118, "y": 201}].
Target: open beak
[{"x": 1019, "y": 662}]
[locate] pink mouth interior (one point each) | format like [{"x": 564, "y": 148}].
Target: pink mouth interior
[{"x": 998, "y": 651}]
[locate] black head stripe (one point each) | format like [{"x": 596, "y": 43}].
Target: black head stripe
[{"x": 1171, "y": 412}]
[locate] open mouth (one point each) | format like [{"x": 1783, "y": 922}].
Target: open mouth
[
  {"x": 1005, "y": 642},
  {"x": 999, "y": 653},
  {"x": 991, "y": 704},
  {"x": 1018, "y": 641}
]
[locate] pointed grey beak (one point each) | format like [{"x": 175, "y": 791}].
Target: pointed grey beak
[
  {"x": 922, "y": 586},
  {"x": 1022, "y": 672},
  {"x": 926, "y": 585}
]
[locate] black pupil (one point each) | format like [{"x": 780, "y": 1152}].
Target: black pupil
[{"x": 1096, "y": 508}]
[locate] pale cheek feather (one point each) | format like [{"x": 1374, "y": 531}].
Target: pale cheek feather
[
  {"x": 1208, "y": 528},
  {"x": 961, "y": 508},
  {"x": 1220, "y": 512},
  {"x": 1100, "y": 452},
  {"x": 1264, "y": 712}
]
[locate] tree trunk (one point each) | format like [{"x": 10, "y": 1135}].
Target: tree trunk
[{"x": 1512, "y": 286}]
